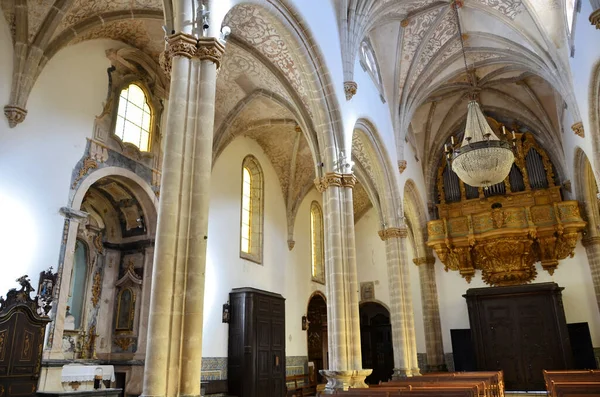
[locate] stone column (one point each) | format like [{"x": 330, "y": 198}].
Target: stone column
[
  {"x": 595, "y": 15},
  {"x": 174, "y": 343},
  {"x": 431, "y": 314},
  {"x": 343, "y": 325},
  {"x": 73, "y": 218},
  {"x": 402, "y": 317},
  {"x": 592, "y": 249}
]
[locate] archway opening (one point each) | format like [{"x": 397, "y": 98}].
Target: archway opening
[
  {"x": 376, "y": 342},
  {"x": 317, "y": 335}
]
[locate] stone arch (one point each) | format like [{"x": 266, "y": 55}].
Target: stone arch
[
  {"x": 369, "y": 151},
  {"x": 586, "y": 192},
  {"x": 416, "y": 216},
  {"x": 143, "y": 191},
  {"x": 309, "y": 69},
  {"x": 594, "y": 112}
]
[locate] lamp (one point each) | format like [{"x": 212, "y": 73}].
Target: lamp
[
  {"x": 482, "y": 159},
  {"x": 226, "y": 312}
]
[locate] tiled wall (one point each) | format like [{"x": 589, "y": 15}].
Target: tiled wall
[{"x": 215, "y": 368}]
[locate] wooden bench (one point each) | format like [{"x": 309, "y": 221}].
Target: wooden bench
[
  {"x": 300, "y": 386},
  {"x": 429, "y": 391},
  {"x": 495, "y": 379},
  {"x": 568, "y": 383},
  {"x": 481, "y": 388},
  {"x": 575, "y": 389}
]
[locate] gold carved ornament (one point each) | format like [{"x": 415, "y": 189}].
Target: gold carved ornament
[
  {"x": 124, "y": 343},
  {"x": 96, "y": 288},
  {"x": 504, "y": 236},
  {"x": 88, "y": 164}
]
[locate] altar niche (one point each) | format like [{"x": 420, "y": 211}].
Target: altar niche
[{"x": 105, "y": 283}]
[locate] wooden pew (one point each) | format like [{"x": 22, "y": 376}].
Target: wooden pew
[
  {"x": 430, "y": 391},
  {"x": 480, "y": 387},
  {"x": 495, "y": 379},
  {"x": 575, "y": 389},
  {"x": 300, "y": 386},
  {"x": 569, "y": 381}
]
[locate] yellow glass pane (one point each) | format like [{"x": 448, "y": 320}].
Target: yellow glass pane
[
  {"x": 245, "y": 245},
  {"x": 134, "y": 114},
  {"x": 122, "y": 106},
  {"x": 136, "y": 95},
  {"x": 119, "y": 127},
  {"x": 246, "y": 203},
  {"x": 145, "y": 124},
  {"x": 131, "y": 133},
  {"x": 245, "y": 232},
  {"x": 246, "y": 217},
  {"x": 144, "y": 139}
]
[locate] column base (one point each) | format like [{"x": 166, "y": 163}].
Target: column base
[
  {"x": 401, "y": 373},
  {"x": 342, "y": 380},
  {"x": 416, "y": 372}
]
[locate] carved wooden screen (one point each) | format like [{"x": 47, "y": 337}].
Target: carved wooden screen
[{"x": 21, "y": 342}]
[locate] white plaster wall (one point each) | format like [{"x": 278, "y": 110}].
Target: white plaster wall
[
  {"x": 38, "y": 156},
  {"x": 572, "y": 273},
  {"x": 372, "y": 266},
  {"x": 371, "y": 261},
  {"x": 284, "y": 272}
]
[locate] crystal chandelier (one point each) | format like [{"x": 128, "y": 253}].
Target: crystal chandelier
[{"x": 482, "y": 159}]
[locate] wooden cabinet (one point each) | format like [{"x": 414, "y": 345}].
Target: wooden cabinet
[
  {"x": 521, "y": 330},
  {"x": 256, "y": 362}
]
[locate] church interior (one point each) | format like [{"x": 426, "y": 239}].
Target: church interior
[{"x": 277, "y": 198}]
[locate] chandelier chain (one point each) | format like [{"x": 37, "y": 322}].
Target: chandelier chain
[{"x": 462, "y": 43}]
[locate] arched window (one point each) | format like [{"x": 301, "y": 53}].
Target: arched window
[
  {"x": 251, "y": 239},
  {"x": 134, "y": 117},
  {"x": 316, "y": 242},
  {"x": 76, "y": 301},
  {"x": 370, "y": 65}
]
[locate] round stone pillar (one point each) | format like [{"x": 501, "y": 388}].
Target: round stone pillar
[{"x": 343, "y": 324}]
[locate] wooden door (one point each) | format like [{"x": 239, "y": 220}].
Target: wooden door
[
  {"x": 278, "y": 348},
  {"x": 270, "y": 334},
  {"x": 520, "y": 330},
  {"x": 376, "y": 342}
]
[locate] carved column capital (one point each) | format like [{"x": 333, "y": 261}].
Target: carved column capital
[
  {"x": 393, "y": 232},
  {"x": 14, "y": 114},
  {"x": 210, "y": 49},
  {"x": 188, "y": 46},
  {"x": 335, "y": 179},
  {"x": 424, "y": 260},
  {"x": 595, "y": 18},
  {"x": 578, "y": 129},
  {"x": 350, "y": 88}
]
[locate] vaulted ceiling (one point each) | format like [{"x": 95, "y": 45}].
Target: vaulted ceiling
[{"x": 516, "y": 50}]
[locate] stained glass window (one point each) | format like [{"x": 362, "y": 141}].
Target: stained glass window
[{"x": 316, "y": 233}]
